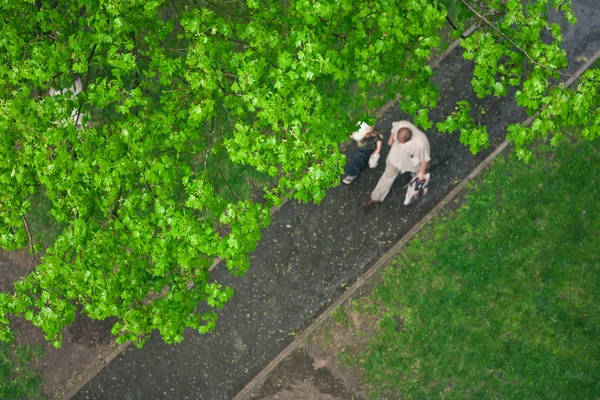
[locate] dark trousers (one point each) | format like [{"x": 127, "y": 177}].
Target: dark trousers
[{"x": 359, "y": 163}]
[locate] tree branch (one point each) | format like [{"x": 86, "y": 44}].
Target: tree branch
[
  {"x": 30, "y": 243},
  {"x": 224, "y": 10},
  {"x": 113, "y": 212},
  {"x": 149, "y": 93},
  {"x": 85, "y": 84},
  {"x": 484, "y": 19},
  {"x": 225, "y": 92},
  {"x": 210, "y": 140},
  {"x": 454, "y": 27},
  {"x": 176, "y": 10},
  {"x": 253, "y": 49},
  {"x": 225, "y": 180}
]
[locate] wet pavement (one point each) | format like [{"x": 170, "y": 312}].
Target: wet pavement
[{"x": 310, "y": 253}]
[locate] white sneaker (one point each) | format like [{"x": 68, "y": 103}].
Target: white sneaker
[{"x": 348, "y": 179}]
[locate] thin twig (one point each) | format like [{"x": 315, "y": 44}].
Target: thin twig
[
  {"x": 149, "y": 93},
  {"x": 225, "y": 180},
  {"x": 226, "y": 11},
  {"x": 253, "y": 49},
  {"x": 225, "y": 92},
  {"x": 136, "y": 75},
  {"x": 85, "y": 84},
  {"x": 109, "y": 118},
  {"x": 182, "y": 79},
  {"x": 462, "y": 35},
  {"x": 210, "y": 140},
  {"x": 176, "y": 10},
  {"x": 197, "y": 5},
  {"x": 511, "y": 42},
  {"x": 30, "y": 243},
  {"x": 113, "y": 212}
]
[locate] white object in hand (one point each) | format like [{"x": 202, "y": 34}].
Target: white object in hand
[{"x": 362, "y": 132}]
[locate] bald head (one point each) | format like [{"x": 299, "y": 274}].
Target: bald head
[{"x": 404, "y": 135}]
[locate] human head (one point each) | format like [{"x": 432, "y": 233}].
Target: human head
[
  {"x": 362, "y": 131},
  {"x": 404, "y": 135}
]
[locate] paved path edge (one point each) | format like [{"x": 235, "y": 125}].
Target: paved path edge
[{"x": 361, "y": 280}]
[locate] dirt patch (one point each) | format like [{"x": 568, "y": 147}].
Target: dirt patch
[
  {"x": 86, "y": 342},
  {"x": 324, "y": 366},
  {"x": 300, "y": 376}
]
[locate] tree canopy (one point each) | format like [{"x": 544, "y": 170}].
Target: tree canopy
[{"x": 129, "y": 122}]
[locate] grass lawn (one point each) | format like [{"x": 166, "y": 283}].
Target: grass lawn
[
  {"x": 501, "y": 298},
  {"x": 17, "y": 381}
]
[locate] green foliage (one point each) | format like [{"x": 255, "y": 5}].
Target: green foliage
[
  {"x": 499, "y": 299},
  {"x": 143, "y": 170},
  {"x": 17, "y": 381},
  {"x": 517, "y": 49},
  {"x": 471, "y": 134}
]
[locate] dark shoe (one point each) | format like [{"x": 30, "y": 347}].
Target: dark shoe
[{"x": 370, "y": 202}]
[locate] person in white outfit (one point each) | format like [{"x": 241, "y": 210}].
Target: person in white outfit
[{"x": 409, "y": 153}]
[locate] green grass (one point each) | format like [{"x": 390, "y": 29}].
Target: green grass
[
  {"x": 342, "y": 318},
  {"x": 501, "y": 299},
  {"x": 17, "y": 381}
]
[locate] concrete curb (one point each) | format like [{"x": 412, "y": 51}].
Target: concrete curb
[
  {"x": 93, "y": 371},
  {"x": 390, "y": 253}
]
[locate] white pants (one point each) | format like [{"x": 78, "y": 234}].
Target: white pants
[{"x": 386, "y": 181}]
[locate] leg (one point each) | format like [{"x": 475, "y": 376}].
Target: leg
[
  {"x": 385, "y": 182},
  {"x": 359, "y": 163}
]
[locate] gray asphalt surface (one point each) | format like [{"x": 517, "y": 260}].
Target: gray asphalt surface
[{"x": 310, "y": 253}]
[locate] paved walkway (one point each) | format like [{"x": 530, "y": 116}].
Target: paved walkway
[{"x": 310, "y": 253}]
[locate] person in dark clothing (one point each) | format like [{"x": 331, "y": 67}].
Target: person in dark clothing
[{"x": 369, "y": 142}]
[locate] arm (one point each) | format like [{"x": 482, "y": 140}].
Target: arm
[
  {"x": 378, "y": 149},
  {"x": 421, "y": 174},
  {"x": 425, "y": 157}
]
